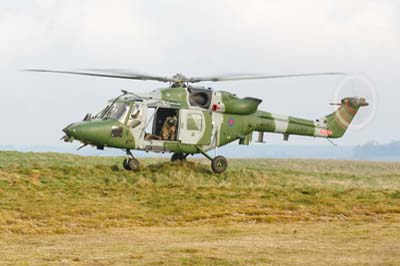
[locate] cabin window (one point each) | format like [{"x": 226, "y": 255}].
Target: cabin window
[{"x": 194, "y": 122}]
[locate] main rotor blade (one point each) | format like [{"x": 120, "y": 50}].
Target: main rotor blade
[
  {"x": 249, "y": 77},
  {"x": 105, "y": 75},
  {"x": 124, "y": 72},
  {"x": 178, "y": 78}
]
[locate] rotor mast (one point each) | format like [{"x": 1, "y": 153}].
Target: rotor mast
[{"x": 179, "y": 80}]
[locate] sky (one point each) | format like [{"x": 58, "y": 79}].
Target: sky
[{"x": 198, "y": 38}]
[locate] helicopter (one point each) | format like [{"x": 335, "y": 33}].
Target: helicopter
[{"x": 184, "y": 119}]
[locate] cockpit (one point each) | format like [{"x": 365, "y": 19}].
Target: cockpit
[
  {"x": 118, "y": 111},
  {"x": 114, "y": 110}
]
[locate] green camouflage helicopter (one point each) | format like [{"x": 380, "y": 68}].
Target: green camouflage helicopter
[{"x": 186, "y": 120}]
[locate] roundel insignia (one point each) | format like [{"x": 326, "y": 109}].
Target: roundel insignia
[{"x": 231, "y": 122}]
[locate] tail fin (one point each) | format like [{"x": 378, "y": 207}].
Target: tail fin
[{"x": 338, "y": 122}]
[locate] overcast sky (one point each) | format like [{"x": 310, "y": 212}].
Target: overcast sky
[{"x": 196, "y": 38}]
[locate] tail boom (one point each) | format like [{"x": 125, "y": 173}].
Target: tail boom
[{"x": 333, "y": 125}]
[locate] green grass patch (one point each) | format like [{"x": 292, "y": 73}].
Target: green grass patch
[{"x": 61, "y": 193}]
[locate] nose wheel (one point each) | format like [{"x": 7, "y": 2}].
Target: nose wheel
[{"x": 131, "y": 163}]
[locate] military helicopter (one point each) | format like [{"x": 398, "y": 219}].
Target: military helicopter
[{"x": 187, "y": 119}]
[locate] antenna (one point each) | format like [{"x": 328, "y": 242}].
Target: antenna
[{"x": 331, "y": 142}]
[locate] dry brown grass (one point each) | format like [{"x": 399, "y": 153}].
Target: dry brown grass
[{"x": 272, "y": 244}]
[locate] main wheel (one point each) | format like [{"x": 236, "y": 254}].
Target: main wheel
[
  {"x": 125, "y": 164},
  {"x": 134, "y": 164},
  {"x": 177, "y": 156},
  {"x": 219, "y": 164}
]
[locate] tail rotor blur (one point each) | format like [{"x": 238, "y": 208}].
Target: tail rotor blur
[{"x": 358, "y": 86}]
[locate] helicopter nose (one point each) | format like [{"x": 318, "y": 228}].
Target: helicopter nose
[
  {"x": 100, "y": 133},
  {"x": 67, "y": 130},
  {"x": 93, "y": 132},
  {"x": 77, "y": 130}
]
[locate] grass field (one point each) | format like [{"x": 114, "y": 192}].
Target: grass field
[{"x": 58, "y": 209}]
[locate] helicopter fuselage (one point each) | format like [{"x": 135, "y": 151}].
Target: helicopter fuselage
[{"x": 205, "y": 119}]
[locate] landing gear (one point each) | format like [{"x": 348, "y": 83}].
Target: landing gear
[
  {"x": 134, "y": 164},
  {"x": 125, "y": 164},
  {"x": 179, "y": 156},
  {"x": 131, "y": 163},
  {"x": 219, "y": 164}
]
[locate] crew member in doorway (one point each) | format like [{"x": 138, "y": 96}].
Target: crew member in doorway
[{"x": 168, "y": 131}]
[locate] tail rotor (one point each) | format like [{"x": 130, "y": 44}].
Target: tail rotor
[{"x": 357, "y": 86}]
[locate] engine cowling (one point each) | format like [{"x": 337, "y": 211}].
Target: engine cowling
[{"x": 239, "y": 106}]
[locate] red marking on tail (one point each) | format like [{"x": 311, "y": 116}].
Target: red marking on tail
[{"x": 326, "y": 132}]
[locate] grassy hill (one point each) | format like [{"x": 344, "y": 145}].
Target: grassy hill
[{"x": 48, "y": 194}]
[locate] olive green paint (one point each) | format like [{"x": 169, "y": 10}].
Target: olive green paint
[
  {"x": 177, "y": 95},
  {"x": 235, "y": 105},
  {"x": 300, "y": 129},
  {"x": 174, "y": 146},
  {"x": 206, "y": 138},
  {"x": 98, "y": 133}
]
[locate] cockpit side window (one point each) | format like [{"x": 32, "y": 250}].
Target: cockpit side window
[
  {"x": 135, "y": 112},
  {"x": 135, "y": 116}
]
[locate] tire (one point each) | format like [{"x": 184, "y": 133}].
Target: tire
[
  {"x": 125, "y": 164},
  {"x": 219, "y": 164},
  {"x": 134, "y": 164},
  {"x": 177, "y": 156}
]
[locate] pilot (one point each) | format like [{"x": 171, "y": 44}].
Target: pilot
[
  {"x": 168, "y": 131},
  {"x": 134, "y": 121}
]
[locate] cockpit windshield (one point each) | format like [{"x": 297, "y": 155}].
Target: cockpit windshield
[
  {"x": 115, "y": 110},
  {"x": 118, "y": 111}
]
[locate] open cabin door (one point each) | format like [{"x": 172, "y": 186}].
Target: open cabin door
[{"x": 195, "y": 127}]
